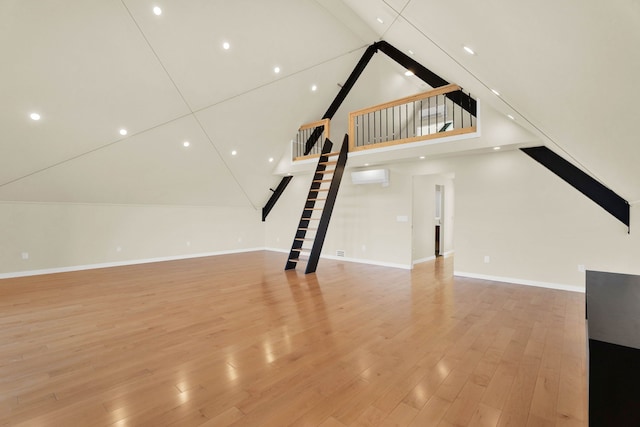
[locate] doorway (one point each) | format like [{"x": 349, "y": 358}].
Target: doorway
[
  {"x": 432, "y": 216},
  {"x": 439, "y": 220}
]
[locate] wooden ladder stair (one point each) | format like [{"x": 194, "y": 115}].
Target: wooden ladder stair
[{"x": 318, "y": 193}]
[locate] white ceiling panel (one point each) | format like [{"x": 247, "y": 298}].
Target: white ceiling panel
[
  {"x": 568, "y": 68},
  {"x": 397, "y": 5},
  {"x": 188, "y": 37},
  {"x": 260, "y": 124},
  {"x": 84, "y": 67},
  {"x": 344, "y": 14},
  {"x": 153, "y": 167},
  {"x": 375, "y": 13},
  {"x": 565, "y": 71}
]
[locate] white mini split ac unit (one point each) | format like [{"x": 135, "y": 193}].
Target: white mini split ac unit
[{"x": 372, "y": 176}]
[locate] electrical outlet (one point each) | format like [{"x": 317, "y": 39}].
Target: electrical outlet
[
  {"x": 119, "y": 249},
  {"x": 581, "y": 268},
  {"x": 25, "y": 255},
  {"x": 487, "y": 259},
  {"x": 188, "y": 243}
]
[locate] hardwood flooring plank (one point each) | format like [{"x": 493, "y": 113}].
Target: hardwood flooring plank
[{"x": 235, "y": 340}]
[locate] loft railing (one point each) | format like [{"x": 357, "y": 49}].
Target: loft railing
[
  {"x": 415, "y": 118},
  {"x": 311, "y": 132}
]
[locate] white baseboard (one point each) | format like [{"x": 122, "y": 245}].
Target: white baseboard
[
  {"x": 525, "y": 282},
  {"x": 431, "y": 258},
  {"x": 421, "y": 260},
  {"x": 284, "y": 251},
  {"x": 368, "y": 261},
  {"x": 356, "y": 260},
  {"x": 120, "y": 263},
  {"x": 331, "y": 257}
]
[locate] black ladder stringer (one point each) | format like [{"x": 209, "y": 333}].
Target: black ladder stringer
[{"x": 325, "y": 196}]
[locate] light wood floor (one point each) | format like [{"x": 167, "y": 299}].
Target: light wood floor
[{"x": 235, "y": 340}]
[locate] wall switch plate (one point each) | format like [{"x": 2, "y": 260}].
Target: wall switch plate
[
  {"x": 581, "y": 268},
  {"x": 25, "y": 255},
  {"x": 487, "y": 259}
]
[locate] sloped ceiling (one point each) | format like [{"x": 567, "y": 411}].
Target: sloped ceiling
[
  {"x": 92, "y": 68},
  {"x": 566, "y": 70}
]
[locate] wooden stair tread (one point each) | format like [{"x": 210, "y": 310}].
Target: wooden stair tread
[
  {"x": 323, "y": 174},
  {"x": 332, "y": 154}
]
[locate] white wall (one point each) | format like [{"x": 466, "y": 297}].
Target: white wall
[
  {"x": 533, "y": 225},
  {"x": 449, "y": 214},
  {"x": 67, "y": 235},
  {"x": 535, "y": 228},
  {"x": 422, "y": 233},
  {"x": 364, "y": 223}
]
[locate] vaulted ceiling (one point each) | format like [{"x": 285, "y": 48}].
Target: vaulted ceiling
[{"x": 565, "y": 72}]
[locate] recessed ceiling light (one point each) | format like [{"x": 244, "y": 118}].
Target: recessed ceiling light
[
  {"x": 366, "y": 164},
  {"x": 511, "y": 117},
  {"x": 468, "y": 50},
  {"x": 270, "y": 159},
  {"x": 408, "y": 73},
  {"x": 495, "y": 92},
  {"x": 186, "y": 144},
  {"x": 380, "y": 20},
  {"x": 226, "y": 45},
  {"x": 123, "y": 132},
  {"x": 34, "y": 116},
  {"x": 157, "y": 11},
  {"x": 314, "y": 88},
  {"x": 234, "y": 152},
  {"x": 411, "y": 52},
  {"x": 421, "y": 157},
  {"x": 496, "y": 148},
  {"x": 276, "y": 70}
]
